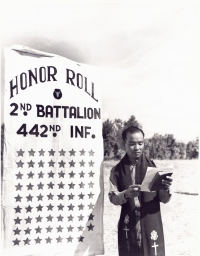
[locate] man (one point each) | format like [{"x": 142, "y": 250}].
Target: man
[{"x": 140, "y": 231}]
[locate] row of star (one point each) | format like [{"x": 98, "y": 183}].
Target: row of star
[
  {"x": 49, "y": 229},
  {"x": 48, "y": 240},
  {"x": 52, "y": 152},
  {"x": 39, "y": 218},
  {"x": 51, "y": 174},
  {"x": 52, "y": 163},
  {"x": 50, "y": 197},
  {"x": 50, "y": 207},
  {"x": 60, "y": 185}
]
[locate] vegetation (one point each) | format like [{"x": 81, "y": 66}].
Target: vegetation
[{"x": 157, "y": 147}]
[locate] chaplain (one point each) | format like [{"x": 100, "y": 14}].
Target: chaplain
[{"x": 140, "y": 229}]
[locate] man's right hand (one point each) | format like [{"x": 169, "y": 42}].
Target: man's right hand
[{"x": 132, "y": 191}]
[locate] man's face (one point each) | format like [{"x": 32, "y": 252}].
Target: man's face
[{"x": 134, "y": 144}]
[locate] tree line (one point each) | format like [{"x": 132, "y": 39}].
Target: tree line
[{"x": 156, "y": 147}]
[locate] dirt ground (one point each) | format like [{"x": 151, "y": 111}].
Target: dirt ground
[{"x": 180, "y": 216}]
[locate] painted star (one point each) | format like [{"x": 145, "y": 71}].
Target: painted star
[
  {"x": 91, "y": 184},
  {"x": 71, "y": 207},
  {"x": 18, "y": 209},
  {"x": 40, "y": 175},
  {"x": 27, "y": 231},
  {"x": 71, "y": 185},
  {"x": 90, "y": 227},
  {"x": 51, "y": 174},
  {"x": 18, "y": 187},
  {"x": 71, "y": 174},
  {"x": 30, "y": 164},
  {"x": 19, "y": 175},
  {"x": 80, "y": 217},
  {"x": 51, "y": 163},
  {"x": 61, "y": 164},
  {"x": 51, "y": 152},
  {"x": 91, "y": 174},
  {"x": 30, "y": 175},
  {"x": 40, "y": 197},
  {"x": 81, "y": 174},
  {"x": 49, "y": 229},
  {"x": 72, "y": 163},
  {"x": 30, "y": 186},
  {"x": 81, "y": 206},
  {"x": 71, "y": 196},
  {"x": 41, "y": 152},
  {"x": 60, "y": 197},
  {"x": 81, "y": 185},
  {"x": 29, "y": 198},
  {"x": 16, "y": 241},
  {"x": 69, "y": 239},
  {"x": 48, "y": 240},
  {"x": 50, "y": 207},
  {"x": 50, "y": 196},
  {"x": 72, "y": 152},
  {"x": 81, "y": 196},
  {"x": 91, "y": 152},
  {"x": 39, "y": 218},
  {"x": 17, "y": 231},
  {"x": 61, "y": 174},
  {"x": 60, "y": 218},
  {"x": 19, "y": 164},
  {"x": 40, "y": 186},
  {"x": 62, "y": 152},
  {"x": 61, "y": 185},
  {"x": 39, "y": 208},
  {"x": 70, "y": 228},
  {"x": 27, "y": 241},
  {"x": 49, "y": 218},
  {"x": 80, "y": 228},
  {"x": 20, "y": 152},
  {"x": 38, "y": 240},
  {"x": 38, "y": 229},
  {"x": 59, "y": 229},
  {"x": 70, "y": 218},
  {"x": 50, "y": 185},
  {"x": 80, "y": 239},
  {"x": 60, "y": 207},
  {"x": 91, "y": 216},
  {"x": 91, "y": 163},
  {"x": 90, "y": 195},
  {"x": 91, "y": 206},
  {"x": 59, "y": 239},
  {"x": 18, "y": 198},
  {"x": 41, "y": 164},
  {"x": 31, "y": 152},
  {"x": 82, "y": 152},
  {"x": 82, "y": 163},
  {"x": 28, "y": 220},
  {"x": 29, "y": 208}
]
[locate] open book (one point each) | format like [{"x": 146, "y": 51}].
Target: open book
[{"x": 153, "y": 178}]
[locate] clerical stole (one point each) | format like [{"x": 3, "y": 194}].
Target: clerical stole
[{"x": 152, "y": 242}]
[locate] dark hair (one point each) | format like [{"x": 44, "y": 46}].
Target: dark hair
[{"x": 131, "y": 129}]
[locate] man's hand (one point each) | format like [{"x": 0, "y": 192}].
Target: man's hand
[
  {"x": 167, "y": 182},
  {"x": 132, "y": 191}
]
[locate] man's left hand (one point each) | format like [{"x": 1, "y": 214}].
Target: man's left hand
[{"x": 167, "y": 182}]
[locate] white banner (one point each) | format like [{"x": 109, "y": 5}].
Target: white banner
[{"x": 52, "y": 178}]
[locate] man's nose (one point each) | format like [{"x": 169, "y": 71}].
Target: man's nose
[{"x": 137, "y": 146}]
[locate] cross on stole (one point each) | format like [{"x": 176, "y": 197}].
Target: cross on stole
[
  {"x": 155, "y": 247},
  {"x": 126, "y": 229}
]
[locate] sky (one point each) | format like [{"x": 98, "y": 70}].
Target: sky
[{"x": 147, "y": 53}]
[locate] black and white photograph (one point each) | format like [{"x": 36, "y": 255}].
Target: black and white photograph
[{"x": 100, "y": 128}]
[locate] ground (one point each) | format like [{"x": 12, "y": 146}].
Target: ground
[{"x": 180, "y": 215}]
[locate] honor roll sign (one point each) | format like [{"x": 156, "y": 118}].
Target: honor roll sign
[{"x": 52, "y": 179}]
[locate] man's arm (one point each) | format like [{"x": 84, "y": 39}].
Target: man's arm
[
  {"x": 165, "y": 194},
  {"x": 116, "y": 197}
]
